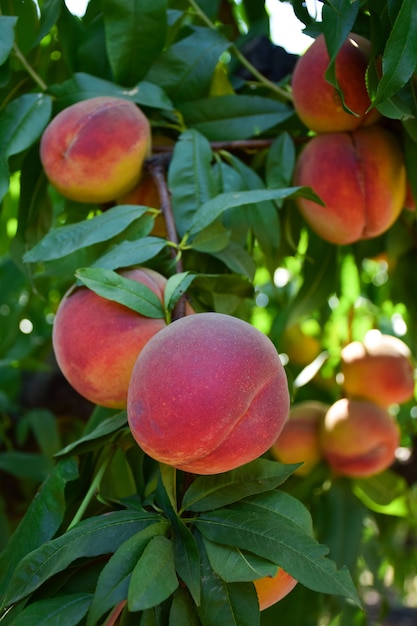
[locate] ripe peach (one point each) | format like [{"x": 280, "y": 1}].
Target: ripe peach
[
  {"x": 317, "y": 102},
  {"x": 207, "y": 394},
  {"x": 271, "y": 589},
  {"x": 299, "y": 440},
  {"x": 96, "y": 341},
  {"x": 146, "y": 194},
  {"x": 379, "y": 368},
  {"x": 93, "y": 151},
  {"x": 359, "y": 438},
  {"x": 361, "y": 179}
]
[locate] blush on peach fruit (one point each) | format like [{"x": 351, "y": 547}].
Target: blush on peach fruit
[
  {"x": 361, "y": 179},
  {"x": 96, "y": 341},
  {"x": 299, "y": 440},
  {"x": 93, "y": 151},
  {"x": 145, "y": 193},
  {"x": 271, "y": 589},
  {"x": 359, "y": 438},
  {"x": 207, "y": 394},
  {"x": 379, "y": 368},
  {"x": 317, "y": 103}
]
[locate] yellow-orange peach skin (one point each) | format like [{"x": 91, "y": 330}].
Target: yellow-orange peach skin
[
  {"x": 93, "y": 151},
  {"x": 379, "y": 368},
  {"x": 359, "y": 438},
  {"x": 271, "y": 589},
  {"x": 317, "y": 103},
  {"x": 207, "y": 394},
  {"x": 360, "y": 177},
  {"x": 145, "y": 193},
  {"x": 96, "y": 341},
  {"x": 299, "y": 441}
]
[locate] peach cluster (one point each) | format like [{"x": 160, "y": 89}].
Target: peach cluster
[
  {"x": 353, "y": 163},
  {"x": 357, "y": 435}
]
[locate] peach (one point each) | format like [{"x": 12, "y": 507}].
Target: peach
[
  {"x": 207, "y": 394},
  {"x": 96, "y": 341},
  {"x": 93, "y": 151},
  {"x": 359, "y": 438},
  {"x": 300, "y": 347},
  {"x": 317, "y": 103},
  {"x": 145, "y": 193},
  {"x": 271, "y": 589},
  {"x": 361, "y": 179},
  {"x": 299, "y": 440},
  {"x": 379, "y": 368}
]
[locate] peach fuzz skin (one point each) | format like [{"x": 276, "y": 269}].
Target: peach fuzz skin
[
  {"x": 93, "y": 151},
  {"x": 359, "y": 438},
  {"x": 361, "y": 179},
  {"x": 318, "y": 103},
  {"x": 379, "y": 368},
  {"x": 299, "y": 441},
  {"x": 271, "y": 589},
  {"x": 96, "y": 341},
  {"x": 207, "y": 394}
]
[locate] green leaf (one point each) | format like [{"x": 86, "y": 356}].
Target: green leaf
[
  {"x": 21, "y": 124},
  {"x": 211, "y": 492},
  {"x": 113, "y": 582},
  {"x": 62, "y": 609},
  {"x": 25, "y": 464},
  {"x": 235, "y": 565},
  {"x": 89, "y": 538},
  {"x": 67, "y": 239},
  {"x": 234, "y": 117},
  {"x": 105, "y": 431},
  {"x": 213, "y": 208},
  {"x": 45, "y": 429},
  {"x": 43, "y": 518},
  {"x": 399, "y": 59},
  {"x": 237, "y": 259},
  {"x": 82, "y": 86},
  {"x": 385, "y": 493},
  {"x": 225, "y": 603},
  {"x": 190, "y": 177},
  {"x": 280, "y": 162},
  {"x": 183, "y": 610},
  {"x": 283, "y": 504},
  {"x": 184, "y": 70},
  {"x": 134, "y": 30},
  {"x": 272, "y": 536},
  {"x": 127, "y": 253},
  {"x": 125, "y": 291},
  {"x": 7, "y": 30},
  {"x": 154, "y": 578},
  {"x": 176, "y": 287}
]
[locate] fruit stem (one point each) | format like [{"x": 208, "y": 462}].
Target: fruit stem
[
  {"x": 90, "y": 493},
  {"x": 34, "y": 75},
  {"x": 286, "y": 95}
]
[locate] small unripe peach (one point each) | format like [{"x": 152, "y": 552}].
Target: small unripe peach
[
  {"x": 93, "y": 151},
  {"x": 359, "y": 438},
  {"x": 207, "y": 394},
  {"x": 96, "y": 341},
  {"x": 300, "y": 347},
  {"x": 299, "y": 440},
  {"x": 318, "y": 103},
  {"x": 271, "y": 589},
  {"x": 379, "y": 368},
  {"x": 361, "y": 179}
]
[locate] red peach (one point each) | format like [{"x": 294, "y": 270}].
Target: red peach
[
  {"x": 299, "y": 440},
  {"x": 361, "y": 179},
  {"x": 271, "y": 589},
  {"x": 359, "y": 438},
  {"x": 318, "y": 103},
  {"x": 207, "y": 394},
  {"x": 379, "y": 368},
  {"x": 96, "y": 341},
  {"x": 93, "y": 151}
]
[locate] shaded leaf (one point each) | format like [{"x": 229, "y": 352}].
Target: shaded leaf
[
  {"x": 176, "y": 287},
  {"x": 127, "y": 253},
  {"x": 106, "y": 430},
  {"x": 280, "y": 162},
  {"x": 154, "y": 578},
  {"x": 7, "y": 29},
  {"x": 63, "y": 609},
  {"x": 125, "y": 291},
  {"x": 183, "y": 610},
  {"x": 235, "y": 565},
  {"x": 211, "y": 492},
  {"x": 25, "y": 464}
]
